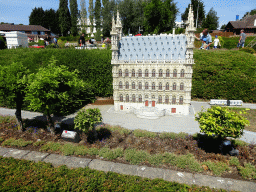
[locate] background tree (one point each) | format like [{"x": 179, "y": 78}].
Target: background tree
[
  {"x": 74, "y": 16},
  {"x": 107, "y": 13},
  {"x": 97, "y": 14},
  {"x": 37, "y": 17},
  {"x": 252, "y": 12},
  {"x": 64, "y": 17},
  {"x": 201, "y": 12},
  {"x": 52, "y": 21},
  {"x": 211, "y": 21},
  {"x": 131, "y": 13},
  {"x": 56, "y": 90},
  {"x": 83, "y": 16},
  {"x": 159, "y": 16},
  {"x": 223, "y": 26},
  {"x": 13, "y": 82},
  {"x": 91, "y": 15}
]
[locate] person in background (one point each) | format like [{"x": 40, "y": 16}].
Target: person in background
[
  {"x": 208, "y": 38},
  {"x": 47, "y": 40},
  {"x": 216, "y": 42},
  {"x": 242, "y": 39},
  {"x": 55, "y": 41},
  {"x": 82, "y": 40}
]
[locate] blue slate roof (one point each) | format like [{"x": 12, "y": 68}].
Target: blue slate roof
[{"x": 160, "y": 47}]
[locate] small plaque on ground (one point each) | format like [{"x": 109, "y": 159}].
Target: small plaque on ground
[{"x": 71, "y": 136}]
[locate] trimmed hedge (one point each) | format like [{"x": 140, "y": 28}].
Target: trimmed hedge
[
  {"x": 224, "y": 75},
  {"x": 23, "y": 175}
]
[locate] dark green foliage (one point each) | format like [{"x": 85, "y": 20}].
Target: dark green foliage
[
  {"x": 83, "y": 16},
  {"x": 248, "y": 50},
  {"x": 196, "y": 4},
  {"x": 224, "y": 75},
  {"x": 252, "y": 12},
  {"x": 107, "y": 13},
  {"x": 160, "y": 16},
  {"x": 22, "y": 175},
  {"x": 64, "y": 17},
  {"x": 91, "y": 15},
  {"x": 74, "y": 16},
  {"x": 37, "y": 17},
  {"x": 223, "y": 26},
  {"x": 97, "y": 14},
  {"x": 211, "y": 21}
]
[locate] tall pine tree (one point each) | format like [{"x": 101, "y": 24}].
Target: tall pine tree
[
  {"x": 211, "y": 21},
  {"x": 37, "y": 17},
  {"x": 83, "y": 16},
  {"x": 74, "y": 16},
  {"x": 64, "y": 17},
  {"x": 97, "y": 14},
  {"x": 107, "y": 13},
  {"x": 91, "y": 15}
]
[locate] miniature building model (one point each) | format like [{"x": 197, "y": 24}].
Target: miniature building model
[{"x": 152, "y": 75}]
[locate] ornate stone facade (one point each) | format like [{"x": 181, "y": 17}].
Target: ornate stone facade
[{"x": 152, "y": 75}]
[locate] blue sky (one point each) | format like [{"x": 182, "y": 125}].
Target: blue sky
[{"x": 18, "y": 11}]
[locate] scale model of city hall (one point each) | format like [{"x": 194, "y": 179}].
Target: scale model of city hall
[{"x": 152, "y": 75}]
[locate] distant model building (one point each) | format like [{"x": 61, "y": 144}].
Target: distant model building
[{"x": 152, "y": 75}]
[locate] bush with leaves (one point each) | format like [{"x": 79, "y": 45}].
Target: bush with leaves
[
  {"x": 56, "y": 90},
  {"x": 248, "y": 50},
  {"x": 86, "y": 119},
  {"x": 222, "y": 122}
]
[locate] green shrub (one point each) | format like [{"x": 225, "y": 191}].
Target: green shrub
[
  {"x": 234, "y": 161},
  {"x": 135, "y": 157},
  {"x": 222, "y": 122},
  {"x": 51, "y": 146},
  {"x": 93, "y": 151},
  {"x": 247, "y": 50},
  {"x": 238, "y": 142},
  {"x": 68, "y": 149},
  {"x": 156, "y": 159},
  {"x": 17, "y": 143},
  {"x": 1, "y": 139},
  {"x": 86, "y": 119},
  {"x": 81, "y": 150},
  {"x": 110, "y": 154},
  {"x": 119, "y": 129},
  {"x": 144, "y": 133},
  {"x": 39, "y": 143}
]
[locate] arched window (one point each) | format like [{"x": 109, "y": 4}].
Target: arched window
[
  {"x": 160, "y": 86},
  {"x": 120, "y": 85},
  {"x": 167, "y": 86},
  {"x": 153, "y": 96},
  {"x": 146, "y": 85},
  {"x": 133, "y": 73},
  {"x": 153, "y": 86},
  {"x": 182, "y": 73},
  {"x": 160, "y": 73},
  {"x": 121, "y": 98},
  {"x": 133, "y": 85},
  {"x": 146, "y": 73},
  {"x": 174, "y": 73},
  {"x": 181, "y": 86},
  {"x": 160, "y": 99},
  {"x": 166, "y": 99},
  {"x": 133, "y": 98},
  {"x": 140, "y": 98},
  {"x": 140, "y": 85},
  {"x": 173, "y": 100},
  {"x": 126, "y": 73},
  {"x": 174, "y": 86},
  {"x": 181, "y": 100},
  {"x": 140, "y": 73},
  {"x": 127, "y": 98},
  {"x": 153, "y": 73},
  {"x": 167, "y": 73},
  {"x": 120, "y": 73},
  {"x": 127, "y": 85}
]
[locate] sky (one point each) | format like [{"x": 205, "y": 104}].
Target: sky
[{"x": 18, "y": 11}]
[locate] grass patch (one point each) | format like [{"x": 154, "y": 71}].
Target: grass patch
[
  {"x": 171, "y": 135},
  {"x": 248, "y": 171},
  {"x": 1, "y": 139},
  {"x": 81, "y": 150},
  {"x": 217, "y": 167},
  {"x": 51, "y": 146},
  {"x": 237, "y": 142},
  {"x": 17, "y": 143},
  {"x": 234, "y": 161},
  {"x": 38, "y": 143},
  {"x": 68, "y": 149},
  {"x": 111, "y": 154},
  {"x": 120, "y": 130},
  {"x": 144, "y": 133},
  {"x": 135, "y": 157}
]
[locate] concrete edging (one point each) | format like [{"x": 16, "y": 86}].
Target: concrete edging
[{"x": 126, "y": 169}]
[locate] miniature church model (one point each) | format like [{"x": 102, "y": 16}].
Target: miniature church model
[{"x": 152, "y": 75}]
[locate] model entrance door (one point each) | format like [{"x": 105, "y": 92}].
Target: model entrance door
[
  {"x": 146, "y": 103},
  {"x": 153, "y": 103}
]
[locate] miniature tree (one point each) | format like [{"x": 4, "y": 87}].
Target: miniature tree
[
  {"x": 222, "y": 122},
  {"x": 56, "y": 90},
  {"x": 85, "y": 120},
  {"x": 13, "y": 81}
]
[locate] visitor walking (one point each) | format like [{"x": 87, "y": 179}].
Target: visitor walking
[
  {"x": 208, "y": 38},
  {"x": 216, "y": 42},
  {"x": 242, "y": 39},
  {"x": 55, "y": 41}
]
